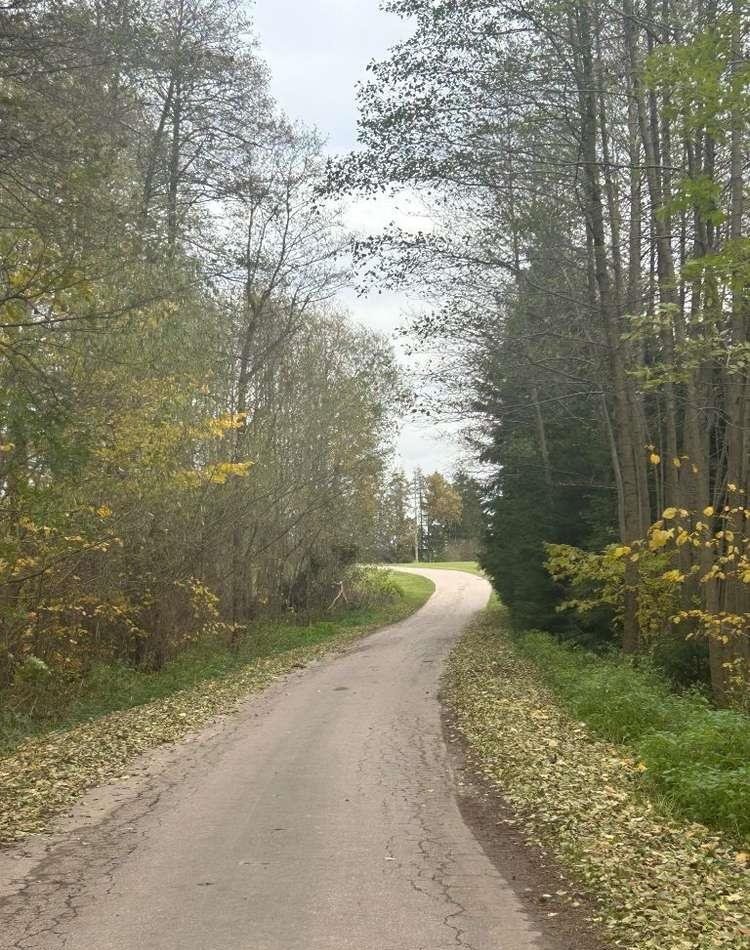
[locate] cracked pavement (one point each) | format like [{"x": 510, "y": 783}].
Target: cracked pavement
[{"x": 322, "y": 816}]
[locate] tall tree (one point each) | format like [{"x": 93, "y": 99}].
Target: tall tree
[{"x": 585, "y": 167}]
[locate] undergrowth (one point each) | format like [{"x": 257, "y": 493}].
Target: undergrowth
[{"x": 695, "y": 758}]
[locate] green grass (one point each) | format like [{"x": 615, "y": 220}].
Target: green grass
[
  {"x": 696, "y": 759},
  {"x": 469, "y": 567},
  {"x": 108, "y": 688}
]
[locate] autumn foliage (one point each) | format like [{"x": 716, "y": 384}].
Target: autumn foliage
[{"x": 190, "y": 434}]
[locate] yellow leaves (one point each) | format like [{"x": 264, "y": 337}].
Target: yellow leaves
[
  {"x": 742, "y": 858},
  {"x": 673, "y": 576},
  {"x": 218, "y": 474},
  {"x": 223, "y": 424},
  {"x": 22, "y": 564},
  {"x": 6, "y": 447},
  {"x": 226, "y": 470},
  {"x": 28, "y": 525},
  {"x": 676, "y": 462},
  {"x": 659, "y": 538},
  {"x": 599, "y": 579},
  {"x": 654, "y": 458},
  {"x": 714, "y": 573},
  {"x": 20, "y": 277},
  {"x": 104, "y": 511}
]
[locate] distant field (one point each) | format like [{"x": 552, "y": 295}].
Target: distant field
[{"x": 470, "y": 567}]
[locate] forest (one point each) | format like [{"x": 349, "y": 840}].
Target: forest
[
  {"x": 429, "y": 518},
  {"x": 586, "y": 302},
  {"x": 191, "y": 432}
]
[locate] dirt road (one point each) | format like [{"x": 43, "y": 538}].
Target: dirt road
[{"x": 321, "y": 817}]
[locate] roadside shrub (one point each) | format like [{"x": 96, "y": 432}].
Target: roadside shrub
[
  {"x": 40, "y": 700},
  {"x": 33, "y": 673},
  {"x": 556, "y": 662},
  {"x": 595, "y": 581},
  {"x": 368, "y": 587},
  {"x": 622, "y": 702},
  {"x": 719, "y": 799},
  {"x": 36, "y": 690},
  {"x": 684, "y": 662},
  {"x": 616, "y": 699}
]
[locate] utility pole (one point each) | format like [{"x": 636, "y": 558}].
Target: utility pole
[{"x": 417, "y": 491}]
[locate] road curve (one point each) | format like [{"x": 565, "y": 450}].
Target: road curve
[{"x": 321, "y": 817}]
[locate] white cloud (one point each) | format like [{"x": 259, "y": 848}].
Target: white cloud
[
  {"x": 318, "y": 51},
  {"x": 370, "y": 215}
]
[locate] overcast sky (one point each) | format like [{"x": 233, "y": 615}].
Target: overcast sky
[{"x": 317, "y": 51}]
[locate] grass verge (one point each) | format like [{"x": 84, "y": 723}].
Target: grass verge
[
  {"x": 660, "y": 881},
  {"x": 122, "y": 713}
]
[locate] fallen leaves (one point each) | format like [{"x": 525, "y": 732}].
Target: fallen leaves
[
  {"x": 45, "y": 775},
  {"x": 660, "y": 883}
]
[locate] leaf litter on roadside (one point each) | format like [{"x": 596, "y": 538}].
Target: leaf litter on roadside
[
  {"x": 45, "y": 775},
  {"x": 657, "y": 882}
]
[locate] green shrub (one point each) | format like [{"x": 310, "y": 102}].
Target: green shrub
[
  {"x": 556, "y": 662},
  {"x": 616, "y": 699},
  {"x": 704, "y": 767},
  {"x": 368, "y": 587},
  {"x": 695, "y": 757},
  {"x": 712, "y": 738},
  {"x": 684, "y": 662},
  {"x": 623, "y": 703}
]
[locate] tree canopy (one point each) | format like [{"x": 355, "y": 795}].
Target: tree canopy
[
  {"x": 190, "y": 432},
  {"x": 586, "y": 285}
]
